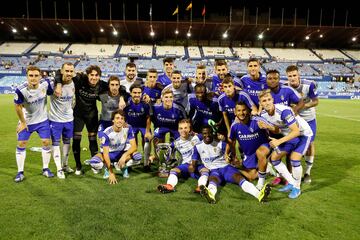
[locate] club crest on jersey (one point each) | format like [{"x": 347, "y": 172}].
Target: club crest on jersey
[
  {"x": 282, "y": 98},
  {"x": 103, "y": 139},
  {"x": 251, "y": 129}
]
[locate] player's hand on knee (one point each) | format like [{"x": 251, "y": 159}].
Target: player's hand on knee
[{"x": 112, "y": 179}]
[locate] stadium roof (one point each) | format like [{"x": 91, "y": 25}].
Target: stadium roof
[{"x": 133, "y": 20}]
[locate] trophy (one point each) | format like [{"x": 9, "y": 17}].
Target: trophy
[{"x": 163, "y": 152}]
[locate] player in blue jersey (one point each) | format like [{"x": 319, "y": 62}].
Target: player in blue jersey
[
  {"x": 295, "y": 139},
  {"x": 253, "y": 141},
  {"x": 164, "y": 79},
  {"x": 211, "y": 153},
  {"x": 253, "y": 82},
  {"x": 283, "y": 94},
  {"x": 138, "y": 116},
  {"x": 151, "y": 91},
  {"x": 222, "y": 70},
  {"x": 61, "y": 120},
  {"x": 308, "y": 91},
  {"x": 228, "y": 99},
  {"x": 185, "y": 146},
  {"x": 130, "y": 77},
  {"x": 166, "y": 117},
  {"x": 30, "y": 106},
  {"x": 203, "y": 107},
  {"x": 117, "y": 146}
]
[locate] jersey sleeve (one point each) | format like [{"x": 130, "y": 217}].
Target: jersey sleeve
[
  {"x": 195, "y": 156},
  {"x": 105, "y": 141},
  {"x": 294, "y": 96},
  {"x": 243, "y": 96},
  {"x": 18, "y": 97},
  {"x": 288, "y": 117},
  {"x": 233, "y": 131},
  {"x": 50, "y": 89},
  {"x": 223, "y": 146},
  {"x": 130, "y": 135},
  {"x": 313, "y": 91}
]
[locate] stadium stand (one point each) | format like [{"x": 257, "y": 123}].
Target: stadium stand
[
  {"x": 92, "y": 50},
  {"x": 194, "y": 52},
  {"x": 326, "y": 54},
  {"x": 136, "y": 51},
  {"x": 50, "y": 48},
  {"x": 16, "y": 48},
  {"x": 287, "y": 55},
  {"x": 170, "y": 51},
  {"x": 217, "y": 52},
  {"x": 353, "y": 54},
  {"x": 246, "y": 53}
]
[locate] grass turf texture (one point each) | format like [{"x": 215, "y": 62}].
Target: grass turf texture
[{"x": 86, "y": 207}]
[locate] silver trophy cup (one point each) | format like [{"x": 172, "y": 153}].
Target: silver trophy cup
[{"x": 163, "y": 152}]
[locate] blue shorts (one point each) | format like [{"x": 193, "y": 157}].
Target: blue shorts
[
  {"x": 225, "y": 174},
  {"x": 251, "y": 161},
  {"x": 161, "y": 132},
  {"x": 136, "y": 130},
  {"x": 312, "y": 125},
  {"x": 43, "y": 129},
  {"x": 58, "y": 129},
  {"x": 184, "y": 170},
  {"x": 115, "y": 156},
  {"x": 299, "y": 145}
]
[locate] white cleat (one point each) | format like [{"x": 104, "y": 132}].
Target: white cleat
[{"x": 60, "y": 174}]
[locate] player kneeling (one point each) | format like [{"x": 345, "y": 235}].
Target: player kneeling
[
  {"x": 211, "y": 153},
  {"x": 185, "y": 146},
  {"x": 117, "y": 146}
]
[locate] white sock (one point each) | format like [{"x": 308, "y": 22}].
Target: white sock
[
  {"x": 172, "y": 180},
  {"x": 212, "y": 188},
  {"x": 146, "y": 153},
  {"x": 46, "y": 155},
  {"x": 270, "y": 169},
  {"x": 261, "y": 180},
  {"x": 281, "y": 168},
  {"x": 20, "y": 158},
  {"x": 57, "y": 157},
  {"x": 297, "y": 174},
  {"x": 203, "y": 180},
  {"x": 65, "y": 152},
  {"x": 129, "y": 163},
  {"x": 250, "y": 188},
  {"x": 309, "y": 160}
]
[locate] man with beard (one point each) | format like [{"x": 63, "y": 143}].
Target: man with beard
[
  {"x": 130, "y": 77},
  {"x": 221, "y": 70}
]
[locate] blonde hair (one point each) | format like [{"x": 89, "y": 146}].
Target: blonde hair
[{"x": 263, "y": 93}]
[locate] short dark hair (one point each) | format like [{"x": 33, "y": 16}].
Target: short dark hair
[
  {"x": 253, "y": 59},
  {"x": 201, "y": 66},
  {"x": 66, "y": 63},
  {"x": 272, "y": 71},
  {"x": 228, "y": 79},
  {"x": 241, "y": 103},
  {"x": 200, "y": 85},
  {"x": 176, "y": 72},
  {"x": 113, "y": 78},
  {"x": 220, "y": 62},
  {"x": 206, "y": 126},
  {"x": 119, "y": 111},
  {"x": 135, "y": 85},
  {"x": 130, "y": 65},
  {"x": 91, "y": 68},
  {"x": 292, "y": 68},
  {"x": 168, "y": 60}
]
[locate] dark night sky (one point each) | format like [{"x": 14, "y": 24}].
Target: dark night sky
[{"x": 162, "y": 10}]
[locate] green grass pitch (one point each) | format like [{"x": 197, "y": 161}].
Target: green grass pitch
[{"x": 87, "y": 207}]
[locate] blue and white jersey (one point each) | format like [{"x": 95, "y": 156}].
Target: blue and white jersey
[
  {"x": 211, "y": 155},
  {"x": 203, "y": 110},
  {"x": 167, "y": 118},
  {"x": 284, "y": 117},
  {"x": 61, "y": 108},
  {"x": 163, "y": 79},
  {"x": 116, "y": 141},
  {"x": 34, "y": 101},
  {"x": 186, "y": 147},
  {"x": 180, "y": 94},
  {"x": 308, "y": 90},
  {"x": 109, "y": 104},
  {"x": 286, "y": 95},
  {"x": 253, "y": 88},
  {"x": 136, "y": 113},
  {"x": 227, "y": 104},
  {"x": 249, "y": 136}
]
